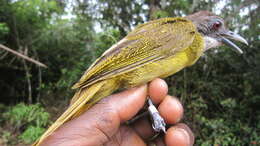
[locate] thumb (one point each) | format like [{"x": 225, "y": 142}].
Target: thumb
[
  {"x": 99, "y": 123},
  {"x": 128, "y": 103}
]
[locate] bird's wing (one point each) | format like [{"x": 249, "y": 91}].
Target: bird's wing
[{"x": 149, "y": 42}]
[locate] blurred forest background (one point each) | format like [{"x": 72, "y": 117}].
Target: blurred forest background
[{"x": 221, "y": 93}]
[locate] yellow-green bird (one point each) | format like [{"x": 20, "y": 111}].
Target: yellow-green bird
[{"x": 158, "y": 48}]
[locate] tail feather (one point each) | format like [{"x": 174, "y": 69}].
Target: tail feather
[{"x": 82, "y": 97}]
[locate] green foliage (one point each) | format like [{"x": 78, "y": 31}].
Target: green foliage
[
  {"x": 30, "y": 119},
  {"x": 160, "y": 14},
  {"x": 101, "y": 42},
  {"x": 22, "y": 114},
  {"x": 6, "y": 137},
  {"x": 3, "y": 29},
  {"x": 33, "y": 13},
  {"x": 105, "y": 40},
  {"x": 31, "y": 134},
  {"x": 223, "y": 129}
]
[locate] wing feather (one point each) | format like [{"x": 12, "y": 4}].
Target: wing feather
[{"x": 149, "y": 42}]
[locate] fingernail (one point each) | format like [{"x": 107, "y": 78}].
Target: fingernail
[
  {"x": 186, "y": 134},
  {"x": 182, "y": 132},
  {"x": 186, "y": 131},
  {"x": 179, "y": 107}
]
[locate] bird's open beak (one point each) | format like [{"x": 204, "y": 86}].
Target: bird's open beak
[{"x": 231, "y": 35}]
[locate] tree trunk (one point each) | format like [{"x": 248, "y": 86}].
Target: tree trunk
[{"x": 28, "y": 77}]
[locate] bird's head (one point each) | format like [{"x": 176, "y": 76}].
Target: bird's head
[{"x": 214, "y": 31}]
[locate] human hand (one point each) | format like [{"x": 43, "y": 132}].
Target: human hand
[{"x": 104, "y": 123}]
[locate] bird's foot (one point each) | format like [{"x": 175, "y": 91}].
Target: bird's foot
[{"x": 158, "y": 122}]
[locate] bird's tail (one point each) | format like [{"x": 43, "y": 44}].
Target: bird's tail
[{"x": 82, "y": 100}]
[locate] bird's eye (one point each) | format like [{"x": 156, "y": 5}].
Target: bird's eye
[{"x": 216, "y": 25}]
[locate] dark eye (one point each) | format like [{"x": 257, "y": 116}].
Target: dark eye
[{"x": 216, "y": 25}]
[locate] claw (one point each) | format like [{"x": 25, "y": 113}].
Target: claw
[{"x": 158, "y": 122}]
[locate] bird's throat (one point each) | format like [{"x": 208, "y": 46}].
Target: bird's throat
[{"x": 210, "y": 43}]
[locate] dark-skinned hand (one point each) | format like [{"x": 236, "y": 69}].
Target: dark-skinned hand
[{"x": 104, "y": 123}]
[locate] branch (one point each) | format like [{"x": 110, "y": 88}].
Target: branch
[{"x": 23, "y": 56}]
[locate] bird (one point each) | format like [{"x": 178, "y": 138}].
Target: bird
[{"x": 155, "y": 49}]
